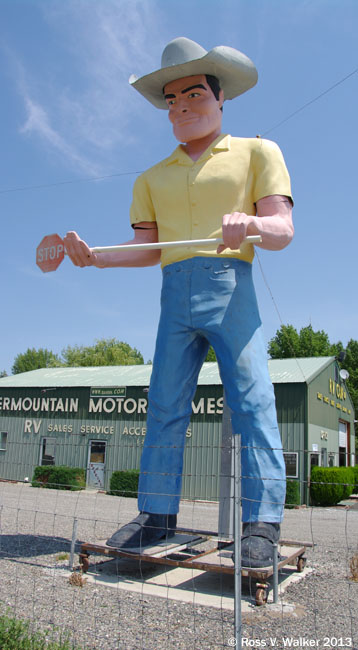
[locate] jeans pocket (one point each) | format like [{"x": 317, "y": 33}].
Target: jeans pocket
[{"x": 224, "y": 275}]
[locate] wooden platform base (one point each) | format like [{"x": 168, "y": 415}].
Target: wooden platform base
[{"x": 180, "y": 551}]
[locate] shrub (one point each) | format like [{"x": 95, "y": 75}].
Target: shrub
[
  {"x": 355, "y": 487},
  {"x": 124, "y": 483},
  {"x": 59, "y": 477},
  {"x": 330, "y": 485},
  {"x": 293, "y": 497}
]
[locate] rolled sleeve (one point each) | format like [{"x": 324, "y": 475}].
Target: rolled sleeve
[
  {"x": 142, "y": 208},
  {"x": 270, "y": 171}
]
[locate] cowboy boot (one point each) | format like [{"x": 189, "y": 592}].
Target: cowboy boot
[
  {"x": 257, "y": 542},
  {"x": 145, "y": 530}
]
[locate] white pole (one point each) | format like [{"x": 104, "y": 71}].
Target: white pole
[{"x": 251, "y": 239}]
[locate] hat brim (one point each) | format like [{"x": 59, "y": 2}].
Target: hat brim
[{"x": 234, "y": 70}]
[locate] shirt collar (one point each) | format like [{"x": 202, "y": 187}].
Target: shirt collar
[{"x": 221, "y": 143}]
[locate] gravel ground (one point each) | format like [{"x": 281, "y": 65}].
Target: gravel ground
[{"x": 36, "y": 528}]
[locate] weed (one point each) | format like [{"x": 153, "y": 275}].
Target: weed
[
  {"x": 353, "y": 565},
  {"x": 76, "y": 579},
  {"x": 16, "y": 635}
]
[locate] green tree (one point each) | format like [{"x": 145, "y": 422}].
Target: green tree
[
  {"x": 211, "y": 356},
  {"x": 34, "y": 359},
  {"x": 288, "y": 343},
  {"x": 317, "y": 344},
  {"x": 285, "y": 343},
  {"x": 350, "y": 363},
  {"x": 105, "y": 352},
  {"x": 3, "y": 373}
]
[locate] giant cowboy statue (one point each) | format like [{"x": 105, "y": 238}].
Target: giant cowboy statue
[{"x": 213, "y": 185}]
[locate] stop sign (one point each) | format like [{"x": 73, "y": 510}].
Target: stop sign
[{"x": 50, "y": 253}]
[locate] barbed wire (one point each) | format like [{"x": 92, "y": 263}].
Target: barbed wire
[
  {"x": 35, "y": 528},
  {"x": 50, "y": 595}
]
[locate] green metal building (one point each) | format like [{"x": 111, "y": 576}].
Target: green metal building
[
  {"x": 315, "y": 415},
  {"x": 95, "y": 418}
]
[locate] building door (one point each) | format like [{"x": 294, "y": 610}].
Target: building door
[
  {"x": 47, "y": 451},
  {"x": 96, "y": 463},
  {"x": 343, "y": 443}
]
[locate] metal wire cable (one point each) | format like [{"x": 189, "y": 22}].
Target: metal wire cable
[
  {"x": 312, "y": 101},
  {"x": 41, "y": 186}
]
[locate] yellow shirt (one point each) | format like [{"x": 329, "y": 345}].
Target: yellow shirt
[{"x": 188, "y": 198}]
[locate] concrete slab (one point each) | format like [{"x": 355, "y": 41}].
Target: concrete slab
[{"x": 186, "y": 585}]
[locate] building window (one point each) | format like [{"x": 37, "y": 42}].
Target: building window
[
  {"x": 291, "y": 462},
  {"x": 331, "y": 459},
  {"x": 97, "y": 451},
  {"x": 48, "y": 449},
  {"x": 314, "y": 459},
  {"x": 3, "y": 441}
]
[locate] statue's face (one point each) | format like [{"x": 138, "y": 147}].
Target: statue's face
[{"x": 194, "y": 110}]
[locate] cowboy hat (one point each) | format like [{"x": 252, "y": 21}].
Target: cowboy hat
[{"x": 184, "y": 58}]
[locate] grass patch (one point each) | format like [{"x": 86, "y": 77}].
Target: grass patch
[{"x": 16, "y": 635}]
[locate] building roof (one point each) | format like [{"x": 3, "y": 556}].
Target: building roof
[
  {"x": 282, "y": 371},
  {"x": 298, "y": 370}
]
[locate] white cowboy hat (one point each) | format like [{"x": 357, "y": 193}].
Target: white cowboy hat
[{"x": 183, "y": 58}]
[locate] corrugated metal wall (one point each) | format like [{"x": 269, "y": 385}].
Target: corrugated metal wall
[
  {"x": 73, "y": 417},
  {"x": 122, "y": 431},
  {"x": 291, "y": 410}
]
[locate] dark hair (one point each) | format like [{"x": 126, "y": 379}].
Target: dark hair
[{"x": 214, "y": 84}]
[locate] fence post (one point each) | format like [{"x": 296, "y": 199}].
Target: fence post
[
  {"x": 226, "y": 495},
  {"x": 237, "y": 537},
  {"x": 73, "y": 542}
]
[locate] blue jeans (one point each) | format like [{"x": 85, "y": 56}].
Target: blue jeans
[{"x": 211, "y": 301}]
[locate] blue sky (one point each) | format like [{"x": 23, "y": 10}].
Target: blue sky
[{"x": 67, "y": 114}]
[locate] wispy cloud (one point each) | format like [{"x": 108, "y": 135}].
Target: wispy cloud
[
  {"x": 84, "y": 109},
  {"x": 37, "y": 123}
]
